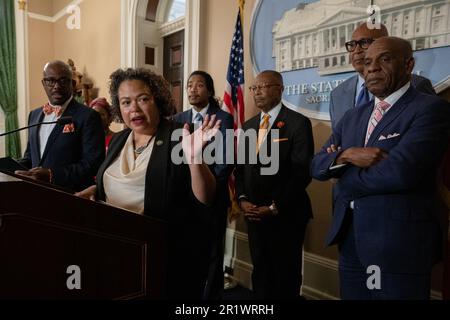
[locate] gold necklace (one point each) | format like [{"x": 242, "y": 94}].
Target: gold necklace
[{"x": 141, "y": 149}]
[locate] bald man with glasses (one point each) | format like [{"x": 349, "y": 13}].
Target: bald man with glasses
[
  {"x": 276, "y": 206},
  {"x": 353, "y": 92}
]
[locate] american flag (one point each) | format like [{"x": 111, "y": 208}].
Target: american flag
[{"x": 233, "y": 99}]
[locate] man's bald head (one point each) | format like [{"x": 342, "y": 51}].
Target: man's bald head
[
  {"x": 363, "y": 32},
  {"x": 274, "y": 75},
  {"x": 401, "y": 46},
  {"x": 388, "y": 65},
  {"x": 362, "y": 29},
  {"x": 61, "y": 66}
]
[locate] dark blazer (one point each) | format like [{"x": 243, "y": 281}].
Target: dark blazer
[
  {"x": 276, "y": 241},
  {"x": 287, "y": 186},
  {"x": 219, "y": 209},
  {"x": 394, "y": 216},
  {"x": 342, "y": 98},
  {"x": 221, "y": 171},
  {"x": 73, "y": 157},
  {"x": 168, "y": 196}
]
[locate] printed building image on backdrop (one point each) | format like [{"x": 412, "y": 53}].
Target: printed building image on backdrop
[{"x": 305, "y": 41}]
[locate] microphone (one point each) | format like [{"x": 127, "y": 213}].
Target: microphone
[{"x": 62, "y": 121}]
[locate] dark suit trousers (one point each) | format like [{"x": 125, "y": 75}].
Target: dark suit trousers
[
  {"x": 214, "y": 282},
  {"x": 276, "y": 249},
  {"x": 354, "y": 277}
]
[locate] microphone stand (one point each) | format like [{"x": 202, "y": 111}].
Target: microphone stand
[{"x": 62, "y": 120}]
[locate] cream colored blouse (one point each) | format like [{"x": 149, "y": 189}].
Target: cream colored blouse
[{"x": 124, "y": 180}]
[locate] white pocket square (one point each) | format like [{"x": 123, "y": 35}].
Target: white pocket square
[{"x": 389, "y": 136}]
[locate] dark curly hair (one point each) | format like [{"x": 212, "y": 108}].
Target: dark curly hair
[{"x": 158, "y": 86}]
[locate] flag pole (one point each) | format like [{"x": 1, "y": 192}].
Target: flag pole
[{"x": 233, "y": 102}]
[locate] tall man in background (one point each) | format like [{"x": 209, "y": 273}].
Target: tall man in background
[
  {"x": 201, "y": 95},
  {"x": 276, "y": 206},
  {"x": 353, "y": 91},
  {"x": 385, "y": 154}
]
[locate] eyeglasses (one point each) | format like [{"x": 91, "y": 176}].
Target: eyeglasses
[
  {"x": 263, "y": 86},
  {"x": 51, "y": 82},
  {"x": 363, "y": 43}
]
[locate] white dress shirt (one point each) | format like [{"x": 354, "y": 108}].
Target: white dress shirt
[
  {"x": 273, "y": 113},
  {"x": 202, "y": 112},
  {"x": 46, "y": 130}
]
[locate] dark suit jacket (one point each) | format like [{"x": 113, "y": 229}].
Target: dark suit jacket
[
  {"x": 168, "y": 196},
  {"x": 73, "y": 157},
  {"x": 221, "y": 171},
  {"x": 342, "y": 98},
  {"x": 393, "y": 217},
  {"x": 287, "y": 186}
]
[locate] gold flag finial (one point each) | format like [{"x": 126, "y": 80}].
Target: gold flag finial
[
  {"x": 241, "y": 10},
  {"x": 22, "y": 4}
]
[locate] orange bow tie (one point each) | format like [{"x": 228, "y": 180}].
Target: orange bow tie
[{"x": 48, "y": 109}]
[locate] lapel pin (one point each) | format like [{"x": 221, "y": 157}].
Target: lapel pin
[
  {"x": 280, "y": 124},
  {"x": 159, "y": 143}
]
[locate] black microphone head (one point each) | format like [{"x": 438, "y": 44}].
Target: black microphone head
[{"x": 64, "y": 120}]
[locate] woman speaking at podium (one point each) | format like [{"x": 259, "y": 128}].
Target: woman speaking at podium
[{"x": 139, "y": 175}]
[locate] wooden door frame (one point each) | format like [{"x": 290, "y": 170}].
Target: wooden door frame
[
  {"x": 174, "y": 73},
  {"x": 129, "y": 44}
]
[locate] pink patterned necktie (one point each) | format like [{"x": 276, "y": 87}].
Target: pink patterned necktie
[
  {"x": 48, "y": 109},
  {"x": 380, "y": 109}
]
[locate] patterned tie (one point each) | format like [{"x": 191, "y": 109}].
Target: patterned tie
[
  {"x": 380, "y": 109},
  {"x": 48, "y": 109},
  {"x": 363, "y": 96},
  {"x": 262, "y": 131},
  {"x": 198, "y": 118}
]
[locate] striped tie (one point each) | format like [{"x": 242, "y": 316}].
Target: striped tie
[
  {"x": 262, "y": 131},
  {"x": 380, "y": 109},
  {"x": 198, "y": 118}
]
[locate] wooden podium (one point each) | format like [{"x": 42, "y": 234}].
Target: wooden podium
[{"x": 43, "y": 232}]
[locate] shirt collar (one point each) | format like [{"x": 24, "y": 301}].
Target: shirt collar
[
  {"x": 361, "y": 81},
  {"x": 64, "y": 105},
  {"x": 203, "y": 112},
  {"x": 273, "y": 113},
  {"x": 395, "y": 96}
]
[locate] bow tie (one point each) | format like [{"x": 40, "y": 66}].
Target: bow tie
[{"x": 48, "y": 109}]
